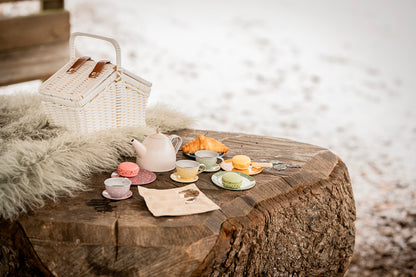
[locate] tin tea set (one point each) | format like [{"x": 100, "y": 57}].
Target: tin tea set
[{"x": 157, "y": 153}]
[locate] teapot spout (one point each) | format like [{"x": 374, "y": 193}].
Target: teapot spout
[{"x": 139, "y": 147}]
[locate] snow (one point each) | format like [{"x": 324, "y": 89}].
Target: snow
[{"x": 339, "y": 74}]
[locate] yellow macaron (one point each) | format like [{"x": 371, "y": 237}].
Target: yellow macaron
[{"x": 241, "y": 162}]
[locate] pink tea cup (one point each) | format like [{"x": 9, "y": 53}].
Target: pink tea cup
[{"x": 117, "y": 187}]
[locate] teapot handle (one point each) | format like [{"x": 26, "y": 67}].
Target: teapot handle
[{"x": 178, "y": 142}]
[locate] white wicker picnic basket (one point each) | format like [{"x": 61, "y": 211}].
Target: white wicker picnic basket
[{"x": 87, "y": 96}]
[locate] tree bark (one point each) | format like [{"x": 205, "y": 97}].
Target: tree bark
[{"x": 308, "y": 233}]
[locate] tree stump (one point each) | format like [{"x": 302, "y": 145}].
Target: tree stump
[{"x": 294, "y": 222}]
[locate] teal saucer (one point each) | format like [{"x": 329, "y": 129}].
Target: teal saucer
[{"x": 213, "y": 169}]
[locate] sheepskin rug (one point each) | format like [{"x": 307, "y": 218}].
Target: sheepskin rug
[{"x": 39, "y": 160}]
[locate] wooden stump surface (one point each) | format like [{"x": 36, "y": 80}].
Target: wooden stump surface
[{"x": 296, "y": 222}]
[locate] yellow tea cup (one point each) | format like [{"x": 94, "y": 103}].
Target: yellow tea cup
[{"x": 187, "y": 169}]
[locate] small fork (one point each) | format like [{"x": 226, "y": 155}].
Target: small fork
[{"x": 278, "y": 165}]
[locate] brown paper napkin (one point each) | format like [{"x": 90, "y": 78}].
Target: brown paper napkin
[{"x": 172, "y": 202}]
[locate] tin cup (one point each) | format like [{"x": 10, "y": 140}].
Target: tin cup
[
  {"x": 208, "y": 158},
  {"x": 187, "y": 169},
  {"x": 117, "y": 187}
]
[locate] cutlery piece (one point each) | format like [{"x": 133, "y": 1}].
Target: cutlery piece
[
  {"x": 190, "y": 200},
  {"x": 278, "y": 165},
  {"x": 189, "y": 193},
  {"x": 263, "y": 164}
]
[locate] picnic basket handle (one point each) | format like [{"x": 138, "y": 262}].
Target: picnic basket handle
[{"x": 112, "y": 41}]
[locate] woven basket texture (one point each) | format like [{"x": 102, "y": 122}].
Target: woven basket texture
[{"x": 116, "y": 98}]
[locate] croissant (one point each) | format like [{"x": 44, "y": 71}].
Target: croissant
[{"x": 204, "y": 143}]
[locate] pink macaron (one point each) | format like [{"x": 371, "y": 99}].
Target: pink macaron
[{"x": 128, "y": 169}]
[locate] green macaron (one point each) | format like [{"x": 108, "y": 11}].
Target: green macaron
[{"x": 232, "y": 180}]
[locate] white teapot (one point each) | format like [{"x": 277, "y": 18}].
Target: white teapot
[{"x": 157, "y": 152}]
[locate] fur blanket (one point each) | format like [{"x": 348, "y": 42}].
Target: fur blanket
[{"x": 39, "y": 160}]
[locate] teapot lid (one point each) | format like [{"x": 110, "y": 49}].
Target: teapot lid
[{"x": 158, "y": 135}]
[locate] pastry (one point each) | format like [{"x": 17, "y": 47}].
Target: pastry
[
  {"x": 204, "y": 143},
  {"x": 232, "y": 180},
  {"x": 241, "y": 162}
]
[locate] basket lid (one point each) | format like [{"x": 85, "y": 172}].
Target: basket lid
[{"x": 77, "y": 88}]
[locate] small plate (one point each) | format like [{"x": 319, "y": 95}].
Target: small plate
[
  {"x": 106, "y": 195},
  {"x": 144, "y": 177},
  {"x": 248, "y": 181},
  {"x": 227, "y": 165},
  {"x": 213, "y": 169},
  {"x": 192, "y": 156},
  {"x": 177, "y": 178}
]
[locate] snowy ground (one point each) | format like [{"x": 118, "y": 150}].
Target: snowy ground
[{"x": 338, "y": 74}]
